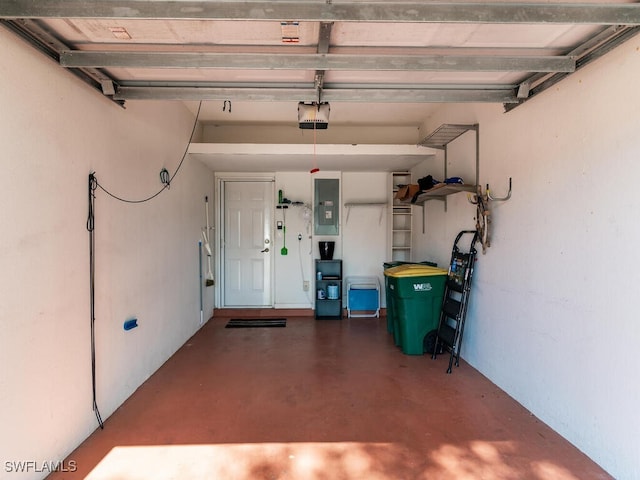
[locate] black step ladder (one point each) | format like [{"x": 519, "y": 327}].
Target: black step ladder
[{"x": 456, "y": 299}]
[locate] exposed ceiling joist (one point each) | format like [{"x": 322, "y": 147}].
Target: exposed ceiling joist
[
  {"x": 268, "y": 61},
  {"x": 396, "y": 12}
]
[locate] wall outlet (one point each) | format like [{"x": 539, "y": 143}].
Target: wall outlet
[{"x": 305, "y": 285}]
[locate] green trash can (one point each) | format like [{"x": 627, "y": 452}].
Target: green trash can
[
  {"x": 389, "y": 297},
  {"x": 416, "y": 292}
]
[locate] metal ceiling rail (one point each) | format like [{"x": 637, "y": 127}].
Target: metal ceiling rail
[
  {"x": 258, "y": 94},
  {"x": 586, "y": 53},
  {"x": 50, "y": 45},
  {"x": 422, "y": 95},
  {"x": 352, "y": 11},
  {"x": 324, "y": 42},
  {"x": 269, "y": 61},
  {"x": 425, "y": 95}
]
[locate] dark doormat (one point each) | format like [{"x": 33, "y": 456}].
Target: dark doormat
[{"x": 256, "y": 322}]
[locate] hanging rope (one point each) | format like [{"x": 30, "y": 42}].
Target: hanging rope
[
  {"x": 93, "y": 184},
  {"x": 314, "y": 168}
]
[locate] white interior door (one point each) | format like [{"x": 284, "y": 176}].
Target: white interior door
[{"x": 247, "y": 243}]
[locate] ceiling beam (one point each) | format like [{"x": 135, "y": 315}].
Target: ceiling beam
[
  {"x": 267, "y": 61},
  {"x": 352, "y": 11},
  {"x": 324, "y": 41},
  {"x": 324, "y": 37},
  {"x": 356, "y": 94},
  {"x": 426, "y": 95},
  {"x": 186, "y": 92}
]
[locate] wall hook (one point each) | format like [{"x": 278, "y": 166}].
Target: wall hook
[{"x": 499, "y": 199}]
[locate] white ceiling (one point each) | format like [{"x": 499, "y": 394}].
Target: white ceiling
[{"x": 377, "y": 63}]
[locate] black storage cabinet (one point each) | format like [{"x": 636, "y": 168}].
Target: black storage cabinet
[{"x": 331, "y": 271}]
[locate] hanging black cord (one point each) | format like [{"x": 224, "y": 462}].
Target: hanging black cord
[
  {"x": 166, "y": 183},
  {"x": 93, "y": 184}
]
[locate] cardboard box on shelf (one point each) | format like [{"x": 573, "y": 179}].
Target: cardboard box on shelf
[{"x": 406, "y": 192}]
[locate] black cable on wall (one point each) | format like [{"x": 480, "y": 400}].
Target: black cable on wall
[
  {"x": 164, "y": 174},
  {"x": 93, "y": 186}
]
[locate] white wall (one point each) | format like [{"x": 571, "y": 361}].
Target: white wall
[
  {"x": 361, "y": 244},
  {"x": 553, "y": 319},
  {"x": 54, "y": 130},
  {"x": 296, "y": 267},
  {"x": 365, "y": 239}
]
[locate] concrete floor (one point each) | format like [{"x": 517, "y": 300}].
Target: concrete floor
[{"x": 320, "y": 400}]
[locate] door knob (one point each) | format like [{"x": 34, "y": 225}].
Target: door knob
[{"x": 265, "y": 250}]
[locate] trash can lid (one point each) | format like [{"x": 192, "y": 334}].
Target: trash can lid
[{"x": 414, "y": 270}]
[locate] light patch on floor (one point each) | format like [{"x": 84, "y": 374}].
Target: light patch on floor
[
  {"x": 241, "y": 461},
  {"x": 311, "y": 461},
  {"x": 488, "y": 461}
]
